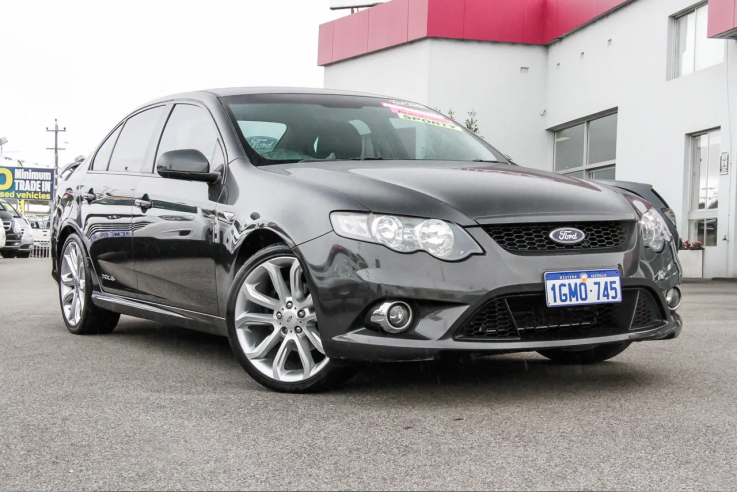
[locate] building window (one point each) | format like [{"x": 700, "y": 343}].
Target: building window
[
  {"x": 694, "y": 50},
  {"x": 704, "y": 187},
  {"x": 589, "y": 149}
]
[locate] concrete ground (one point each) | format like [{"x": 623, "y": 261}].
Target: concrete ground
[{"x": 153, "y": 407}]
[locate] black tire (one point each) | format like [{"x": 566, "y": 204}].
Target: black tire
[
  {"x": 24, "y": 254},
  {"x": 600, "y": 353},
  {"x": 93, "y": 320},
  {"x": 9, "y": 254},
  {"x": 332, "y": 375}
]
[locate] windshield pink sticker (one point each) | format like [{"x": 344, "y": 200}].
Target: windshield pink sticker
[{"x": 421, "y": 116}]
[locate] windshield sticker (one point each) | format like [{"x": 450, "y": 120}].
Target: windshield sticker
[
  {"x": 406, "y": 103},
  {"x": 422, "y": 117},
  {"x": 262, "y": 144},
  {"x": 427, "y": 121}
]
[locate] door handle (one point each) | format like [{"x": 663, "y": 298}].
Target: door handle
[{"x": 144, "y": 203}]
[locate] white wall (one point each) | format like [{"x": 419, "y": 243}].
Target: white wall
[
  {"x": 486, "y": 77},
  {"x": 400, "y": 72}
]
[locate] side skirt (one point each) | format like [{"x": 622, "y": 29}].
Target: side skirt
[{"x": 163, "y": 314}]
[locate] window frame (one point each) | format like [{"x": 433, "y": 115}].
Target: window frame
[
  {"x": 121, "y": 125},
  {"x": 167, "y": 115},
  {"x": 695, "y": 214},
  {"x": 587, "y": 168},
  {"x": 674, "y": 62}
]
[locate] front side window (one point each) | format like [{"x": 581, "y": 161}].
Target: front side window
[
  {"x": 133, "y": 143},
  {"x": 589, "y": 149},
  {"x": 102, "y": 158},
  {"x": 191, "y": 127},
  {"x": 705, "y": 176},
  {"x": 286, "y": 128},
  {"x": 694, "y": 50}
]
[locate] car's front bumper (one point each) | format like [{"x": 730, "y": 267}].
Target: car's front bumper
[{"x": 349, "y": 278}]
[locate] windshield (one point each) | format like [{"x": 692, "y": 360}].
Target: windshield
[
  {"x": 9, "y": 208},
  {"x": 283, "y": 128}
]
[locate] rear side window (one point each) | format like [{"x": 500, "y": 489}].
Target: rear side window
[
  {"x": 191, "y": 127},
  {"x": 103, "y": 155},
  {"x": 132, "y": 146}
]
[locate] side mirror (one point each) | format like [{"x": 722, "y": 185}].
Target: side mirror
[{"x": 187, "y": 164}]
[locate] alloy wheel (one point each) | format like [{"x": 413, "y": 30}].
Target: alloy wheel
[
  {"x": 276, "y": 323},
  {"x": 72, "y": 285}
]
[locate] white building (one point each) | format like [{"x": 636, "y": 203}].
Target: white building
[{"x": 636, "y": 90}]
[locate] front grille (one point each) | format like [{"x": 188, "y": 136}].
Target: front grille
[
  {"x": 535, "y": 238},
  {"x": 526, "y": 317}
]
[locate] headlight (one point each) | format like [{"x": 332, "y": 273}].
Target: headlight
[
  {"x": 654, "y": 230},
  {"x": 441, "y": 239}
]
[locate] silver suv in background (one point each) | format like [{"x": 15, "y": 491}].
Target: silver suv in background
[{"x": 18, "y": 237}]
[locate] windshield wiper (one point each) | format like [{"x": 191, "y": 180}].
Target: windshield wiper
[{"x": 489, "y": 162}]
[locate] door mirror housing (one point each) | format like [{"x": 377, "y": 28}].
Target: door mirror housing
[{"x": 187, "y": 164}]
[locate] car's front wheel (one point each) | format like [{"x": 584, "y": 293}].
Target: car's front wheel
[
  {"x": 273, "y": 328},
  {"x": 80, "y": 315},
  {"x": 600, "y": 353}
]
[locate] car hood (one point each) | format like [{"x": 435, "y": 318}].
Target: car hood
[{"x": 464, "y": 192}]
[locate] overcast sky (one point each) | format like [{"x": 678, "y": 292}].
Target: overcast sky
[{"x": 90, "y": 62}]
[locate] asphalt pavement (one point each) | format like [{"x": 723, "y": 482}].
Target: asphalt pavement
[{"x": 155, "y": 407}]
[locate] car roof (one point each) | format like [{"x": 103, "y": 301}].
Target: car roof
[{"x": 240, "y": 91}]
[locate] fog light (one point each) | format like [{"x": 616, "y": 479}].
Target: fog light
[
  {"x": 673, "y": 298},
  {"x": 392, "y": 316}
]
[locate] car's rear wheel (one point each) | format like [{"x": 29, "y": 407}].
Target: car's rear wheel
[
  {"x": 600, "y": 353},
  {"x": 273, "y": 328},
  {"x": 80, "y": 315}
]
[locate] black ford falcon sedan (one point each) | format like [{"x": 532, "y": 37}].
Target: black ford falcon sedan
[{"x": 316, "y": 229}]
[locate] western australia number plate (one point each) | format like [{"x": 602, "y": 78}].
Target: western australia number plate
[{"x": 586, "y": 287}]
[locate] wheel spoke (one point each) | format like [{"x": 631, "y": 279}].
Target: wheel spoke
[
  {"x": 265, "y": 346},
  {"x": 248, "y": 319},
  {"x": 249, "y": 290},
  {"x": 277, "y": 280},
  {"x": 78, "y": 308},
  {"x": 281, "y": 359},
  {"x": 70, "y": 263},
  {"x": 67, "y": 299},
  {"x": 314, "y": 337},
  {"x": 67, "y": 279},
  {"x": 303, "y": 349},
  {"x": 295, "y": 281}
]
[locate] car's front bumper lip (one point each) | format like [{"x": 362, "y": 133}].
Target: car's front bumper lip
[{"x": 369, "y": 345}]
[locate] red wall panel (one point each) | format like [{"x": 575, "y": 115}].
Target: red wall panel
[
  {"x": 350, "y": 35},
  {"x": 514, "y": 21},
  {"x": 535, "y": 11},
  {"x": 417, "y": 19},
  {"x": 571, "y": 14},
  {"x": 388, "y": 24},
  {"x": 445, "y": 18},
  {"x": 494, "y": 20},
  {"x": 722, "y": 16},
  {"x": 325, "y": 44}
]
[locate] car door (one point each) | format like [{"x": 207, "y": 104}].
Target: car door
[
  {"x": 107, "y": 200},
  {"x": 174, "y": 220}
]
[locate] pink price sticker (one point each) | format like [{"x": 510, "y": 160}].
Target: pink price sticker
[{"x": 400, "y": 110}]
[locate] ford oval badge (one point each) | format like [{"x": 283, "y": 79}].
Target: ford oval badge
[{"x": 567, "y": 235}]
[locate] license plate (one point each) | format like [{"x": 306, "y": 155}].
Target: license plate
[{"x": 584, "y": 287}]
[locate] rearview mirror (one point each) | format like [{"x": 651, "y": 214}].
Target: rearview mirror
[{"x": 188, "y": 164}]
